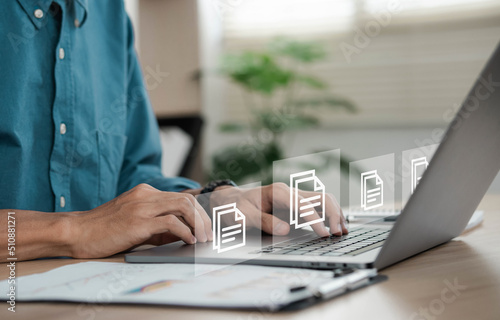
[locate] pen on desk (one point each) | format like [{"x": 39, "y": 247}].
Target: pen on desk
[
  {"x": 351, "y": 280},
  {"x": 342, "y": 272},
  {"x": 297, "y": 288}
]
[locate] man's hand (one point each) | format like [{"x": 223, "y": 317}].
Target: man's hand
[
  {"x": 147, "y": 215},
  {"x": 257, "y": 205},
  {"x": 141, "y": 215}
]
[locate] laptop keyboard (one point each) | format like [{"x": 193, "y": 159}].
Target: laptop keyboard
[{"x": 356, "y": 242}]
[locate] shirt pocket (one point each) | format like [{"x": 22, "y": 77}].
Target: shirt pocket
[{"x": 111, "y": 148}]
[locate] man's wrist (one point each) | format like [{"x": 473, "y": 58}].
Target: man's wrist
[
  {"x": 194, "y": 192},
  {"x": 68, "y": 235},
  {"x": 44, "y": 234}
]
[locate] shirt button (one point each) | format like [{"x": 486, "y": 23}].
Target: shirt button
[
  {"x": 61, "y": 53},
  {"x": 77, "y": 23},
  {"x": 62, "y": 128},
  {"x": 63, "y": 202},
  {"x": 38, "y": 13}
]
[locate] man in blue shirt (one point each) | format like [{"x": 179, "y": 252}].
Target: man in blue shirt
[{"x": 77, "y": 130}]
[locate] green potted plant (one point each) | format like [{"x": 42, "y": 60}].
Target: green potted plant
[{"x": 280, "y": 97}]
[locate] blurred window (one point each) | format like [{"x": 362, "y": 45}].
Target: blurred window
[{"x": 413, "y": 68}]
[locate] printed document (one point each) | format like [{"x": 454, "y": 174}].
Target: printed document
[{"x": 100, "y": 283}]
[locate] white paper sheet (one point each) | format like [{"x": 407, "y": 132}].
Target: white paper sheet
[{"x": 169, "y": 284}]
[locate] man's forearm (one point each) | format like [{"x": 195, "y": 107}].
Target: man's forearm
[{"x": 34, "y": 234}]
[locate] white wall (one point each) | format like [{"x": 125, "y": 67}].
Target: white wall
[{"x": 132, "y": 8}]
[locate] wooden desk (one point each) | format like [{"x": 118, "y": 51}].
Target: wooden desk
[{"x": 473, "y": 260}]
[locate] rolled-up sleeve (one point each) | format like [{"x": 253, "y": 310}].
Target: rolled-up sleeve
[{"x": 142, "y": 158}]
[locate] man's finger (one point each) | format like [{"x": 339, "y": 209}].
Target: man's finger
[
  {"x": 183, "y": 205},
  {"x": 281, "y": 199},
  {"x": 162, "y": 238},
  {"x": 343, "y": 223},
  {"x": 274, "y": 225},
  {"x": 311, "y": 215},
  {"x": 333, "y": 213},
  {"x": 206, "y": 220},
  {"x": 338, "y": 215},
  {"x": 170, "y": 223},
  {"x": 263, "y": 220}
]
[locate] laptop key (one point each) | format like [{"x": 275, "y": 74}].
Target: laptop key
[
  {"x": 354, "y": 246},
  {"x": 333, "y": 254},
  {"x": 313, "y": 253},
  {"x": 365, "y": 249},
  {"x": 301, "y": 251},
  {"x": 344, "y": 250},
  {"x": 335, "y": 247},
  {"x": 324, "y": 249}
]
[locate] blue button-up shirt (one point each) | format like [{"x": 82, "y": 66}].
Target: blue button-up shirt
[{"x": 76, "y": 125}]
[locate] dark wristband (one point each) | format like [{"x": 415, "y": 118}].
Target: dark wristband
[
  {"x": 212, "y": 185},
  {"x": 204, "y": 197}
]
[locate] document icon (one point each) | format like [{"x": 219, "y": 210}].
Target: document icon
[
  {"x": 418, "y": 167},
  {"x": 233, "y": 235},
  {"x": 372, "y": 190},
  {"x": 301, "y": 208}
]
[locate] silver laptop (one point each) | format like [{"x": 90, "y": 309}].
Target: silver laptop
[{"x": 459, "y": 174}]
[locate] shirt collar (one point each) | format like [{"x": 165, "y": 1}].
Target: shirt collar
[
  {"x": 78, "y": 9},
  {"x": 80, "y": 12}
]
